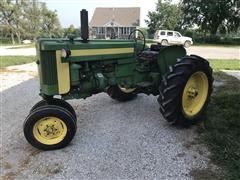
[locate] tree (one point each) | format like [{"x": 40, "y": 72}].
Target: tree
[
  {"x": 10, "y": 16},
  {"x": 212, "y": 14},
  {"x": 29, "y": 19},
  {"x": 32, "y": 19},
  {"x": 72, "y": 31},
  {"x": 166, "y": 16},
  {"x": 50, "y": 25}
]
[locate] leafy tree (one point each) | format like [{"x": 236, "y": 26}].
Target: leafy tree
[
  {"x": 28, "y": 19},
  {"x": 166, "y": 16},
  {"x": 50, "y": 25},
  {"x": 71, "y": 30},
  {"x": 32, "y": 19},
  {"x": 212, "y": 15},
  {"x": 10, "y": 16}
]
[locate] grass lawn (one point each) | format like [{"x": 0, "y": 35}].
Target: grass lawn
[
  {"x": 227, "y": 64},
  {"x": 221, "y": 130},
  {"x": 23, "y": 46},
  {"x": 216, "y": 64},
  {"x": 15, "y": 60}
]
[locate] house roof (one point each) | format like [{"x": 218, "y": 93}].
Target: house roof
[{"x": 129, "y": 16}]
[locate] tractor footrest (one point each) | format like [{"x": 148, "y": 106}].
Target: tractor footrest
[
  {"x": 148, "y": 56},
  {"x": 144, "y": 84}
]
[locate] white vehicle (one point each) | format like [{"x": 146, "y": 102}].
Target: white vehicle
[
  {"x": 166, "y": 37},
  {"x": 26, "y": 41}
]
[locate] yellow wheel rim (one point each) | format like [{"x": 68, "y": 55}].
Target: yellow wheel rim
[
  {"x": 195, "y": 94},
  {"x": 126, "y": 90},
  {"x": 49, "y": 130}
]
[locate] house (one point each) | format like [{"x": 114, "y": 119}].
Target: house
[{"x": 114, "y": 23}]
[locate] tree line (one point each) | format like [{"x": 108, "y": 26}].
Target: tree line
[
  {"x": 28, "y": 19},
  {"x": 210, "y": 17}
]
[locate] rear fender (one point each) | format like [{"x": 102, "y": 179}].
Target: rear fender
[{"x": 168, "y": 56}]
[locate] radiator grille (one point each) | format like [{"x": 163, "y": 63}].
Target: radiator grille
[{"x": 48, "y": 67}]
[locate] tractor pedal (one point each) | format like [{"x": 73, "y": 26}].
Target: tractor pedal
[{"x": 144, "y": 84}]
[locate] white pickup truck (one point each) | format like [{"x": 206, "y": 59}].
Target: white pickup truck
[{"x": 166, "y": 37}]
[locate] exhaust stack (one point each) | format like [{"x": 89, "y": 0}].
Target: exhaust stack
[{"x": 84, "y": 25}]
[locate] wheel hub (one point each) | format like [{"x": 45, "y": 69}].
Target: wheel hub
[
  {"x": 192, "y": 92},
  {"x": 195, "y": 94},
  {"x": 50, "y": 130}
]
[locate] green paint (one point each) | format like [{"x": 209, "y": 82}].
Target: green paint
[{"x": 93, "y": 73}]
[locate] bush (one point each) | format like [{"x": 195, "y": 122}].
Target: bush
[
  {"x": 200, "y": 38},
  {"x": 6, "y": 40}
]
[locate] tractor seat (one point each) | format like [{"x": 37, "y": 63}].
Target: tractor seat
[{"x": 148, "y": 56}]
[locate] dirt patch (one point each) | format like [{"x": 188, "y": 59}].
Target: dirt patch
[
  {"x": 9, "y": 176},
  {"x": 7, "y": 165},
  {"x": 14, "y": 75},
  {"x": 50, "y": 170}
]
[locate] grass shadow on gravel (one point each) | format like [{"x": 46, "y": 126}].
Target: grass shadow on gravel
[{"x": 221, "y": 130}]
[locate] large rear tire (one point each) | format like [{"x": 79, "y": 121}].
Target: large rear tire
[
  {"x": 120, "y": 93},
  {"x": 185, "y": 90}
]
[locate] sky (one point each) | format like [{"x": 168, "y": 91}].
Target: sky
[{"x": 68, "y": 10}]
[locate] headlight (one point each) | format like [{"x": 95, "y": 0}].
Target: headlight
[{"x": 66, "y": 53}]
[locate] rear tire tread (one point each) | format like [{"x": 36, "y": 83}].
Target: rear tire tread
[{"x": 172, "y": 86}]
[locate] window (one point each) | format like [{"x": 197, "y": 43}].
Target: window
[
  {"x": 121, "y": 30},
  {"x": 177, "y": 34},
  {"x": 162, "y": 33},
  {"x": 101, "y": 30},
  {"x": 170, "y": 33},
  {"x": 126, "y": 30}
]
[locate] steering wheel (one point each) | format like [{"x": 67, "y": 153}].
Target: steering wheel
[{"x": 138, "y": 38}]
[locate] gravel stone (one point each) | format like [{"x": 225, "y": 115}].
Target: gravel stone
[{"x": 129, "y": 140}]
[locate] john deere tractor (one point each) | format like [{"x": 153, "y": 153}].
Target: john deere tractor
[{"x": 73, "y": 68}]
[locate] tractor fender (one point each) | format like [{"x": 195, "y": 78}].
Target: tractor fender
[{"x": 168, "y": 56}]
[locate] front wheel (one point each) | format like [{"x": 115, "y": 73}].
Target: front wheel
[
  {"x": 56, "y": 102},
  {"x": 185, "y": 91},
  {"x": 49, "y": 127},
  {"x": 187, "y": 44}
]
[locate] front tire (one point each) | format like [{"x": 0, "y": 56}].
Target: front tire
[
  {"x": 185, "y": 91},
  {"x": 49, "y": 127},
  {"x": 56, "y": 102},
  {"x": 187, "y": 44}
]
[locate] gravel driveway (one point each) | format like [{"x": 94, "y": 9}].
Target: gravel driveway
[
  {"x": 9, "y": 51},
  {"x": 114, "y": 141},
  {"x": 212, "y": 52}
]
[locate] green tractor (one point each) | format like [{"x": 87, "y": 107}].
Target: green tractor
[{"x": 78, "y": 68}]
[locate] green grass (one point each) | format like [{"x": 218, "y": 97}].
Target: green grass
[
  {"x": 228, "y": 64},
  {"x": 23, "y": 46},
  {"x": 148, "y": 41},
  {"x": 221, "y": 130},
  {"x": 15, "y": 60}
]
